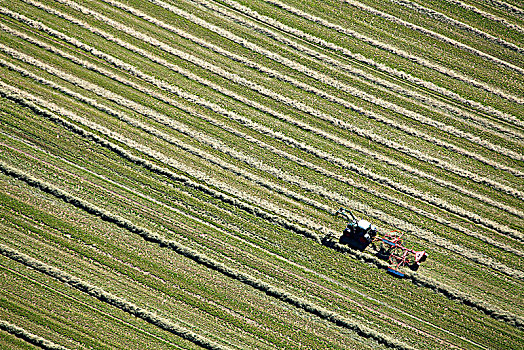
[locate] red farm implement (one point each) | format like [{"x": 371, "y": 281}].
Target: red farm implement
[
  {"x": 397, "y": 255},
  {"x": 359, "y": 234}
]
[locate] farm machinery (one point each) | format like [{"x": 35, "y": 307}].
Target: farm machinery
[{"x": 359, "y": 234}]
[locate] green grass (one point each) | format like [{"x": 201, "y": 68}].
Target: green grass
[{"x": 217, "y": 207}]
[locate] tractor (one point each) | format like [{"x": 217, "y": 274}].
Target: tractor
[{"x": 359, "y": 234}]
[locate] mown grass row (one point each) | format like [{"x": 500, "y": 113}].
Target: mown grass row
[
  {"x": 414, "y": 75},
  {"x": 193, "y": 135},
  {"x": 449, "y": 293},
  {"x": 180, "y": 249},
  {"x": 448, "y": 168},
  {"x": 420, "y": 61},
  {"x": 422, "y": 233},
  {"x": 201, "y": 138},
  {"x": 156, "y": 269},
  {"x": 29, "y": 337},
  {"x": 252, "y": 20},
  {"x": 202, "y": 312}
]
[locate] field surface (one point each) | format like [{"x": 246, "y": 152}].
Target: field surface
[{"x": 169, "y": 169}]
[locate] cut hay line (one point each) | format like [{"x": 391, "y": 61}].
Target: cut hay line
[
  {"x": 180, "y": 249},
  {"x": 487, "y": 15},
  {"x": 25, "y": 99},
  {"x": 28, "y": 336},
  {"x": 267, "y": 131},
  {"x": 434, "y": 104},
  {"x": 94, "y": 291},
  {"x": 273, "y": 266},
  {"x": 443, "y": 38},
  {"x": 426, "y": 282},
  {"x": 226, "y": 149},
  {"x": 506, "y": 6},
  {"x": 249, "y": 160},
  {"x": 401, "y": 53},
  {"x": 48, "y": 245},
  {"x": 248, "y": 243},
  {"x": 344, "y": 53},
  {"x": 479, "y": 258},
  {"x": 453, "y": 22},
  {"x": 305, "y": 87},
  {"x": 215, "y": 144},
  {"x": 92, "y": 308},
  {"x": 409, "y": 151},
  {"x": 195, "y": 99},
  {"x": 309, "y": 72}
]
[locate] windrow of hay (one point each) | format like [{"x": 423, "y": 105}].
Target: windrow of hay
[
  {"x": 305, "y": 87},
  {"x": 243, "y": 120},
  {"x": 237, "y": 237},
  {"x": 250, "y": 160},
  {"x": 28, "y": 336},
  {"x": 487, "y": 15},
  {"x": 199, "y": 258},
  {"x": 251, "y": 19},
  {"x": 282, "y": 175},
  {"x": 228, "y": 150},
  {"x": 458, "y": 24},
  {"x": 83, "y": 286},
  {"x": 401, "y": 53},
  {"x": 424, "y": 281},
  {"x": 443, "y": 38}
]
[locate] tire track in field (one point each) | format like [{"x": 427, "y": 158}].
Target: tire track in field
[
  {"x": 458, "y": 24},
  {"x": 443, "y": 38},
  {"x": 250, "y": 160},
  {"x": 424, "y": 281},
  {"x": 305, "y": 87},
  {"x": 178, "y": 248},
  {"x": 106, "y": 297},
  {"x": 28, "y": 336},
  {"x": 435, "y": 105},
  {"x": 487, "y": 15},
  {"x": 343, "y": 53},
  {"x": 309, "y": 72},
  {"x": 273, "y": 266},
  {"x": 235, "y": 116},
  {"x": 421, "y": 61}
]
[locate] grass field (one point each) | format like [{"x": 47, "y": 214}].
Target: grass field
[{"x": 168, "y": 169}]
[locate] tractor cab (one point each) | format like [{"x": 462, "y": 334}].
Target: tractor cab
[{"x": 358, "y": 233}]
